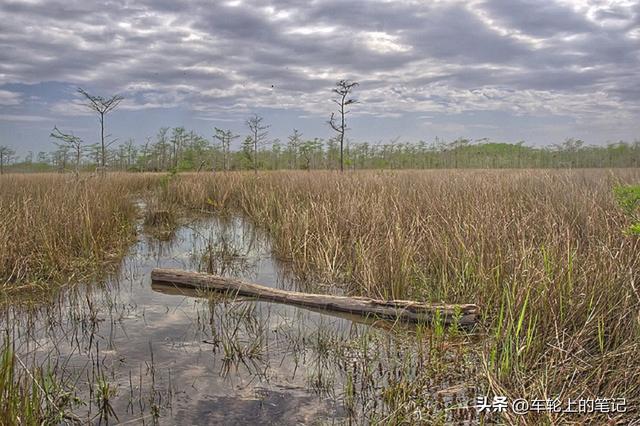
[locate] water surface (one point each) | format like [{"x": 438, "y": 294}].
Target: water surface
[{"x": 170, "y": 356}]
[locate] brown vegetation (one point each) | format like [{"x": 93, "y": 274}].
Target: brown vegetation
[
  {"x": 55, "y": 228},
  {"x": 543, "y": 252}
]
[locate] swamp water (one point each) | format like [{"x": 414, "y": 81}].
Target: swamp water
[{"x": 136, "y": 353}]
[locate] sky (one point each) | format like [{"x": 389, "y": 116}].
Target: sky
[{"x": 510, "y": 70}]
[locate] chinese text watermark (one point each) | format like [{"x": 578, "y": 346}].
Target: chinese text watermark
[{"x": 499, "y": 404}]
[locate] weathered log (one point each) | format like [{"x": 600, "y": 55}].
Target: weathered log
[
  {"x": 406, "y": 310},
  {"x": 381, "y": 323}
]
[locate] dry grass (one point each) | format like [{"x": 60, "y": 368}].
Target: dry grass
[
  {"x": 57, "y": 229},
  {"x": 543, "y": 252}
]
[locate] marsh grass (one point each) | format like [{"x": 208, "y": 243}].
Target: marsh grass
[
  {"x": 223, "y": 253},
  {"x": 160, "y": 221},
  {"x": 58, "y": 229},
  {"x": 544, "y": 253},
  {"x": 32, "y": 395}
]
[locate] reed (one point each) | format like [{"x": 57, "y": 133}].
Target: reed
[
  {"x": 59, "y": 229},
  {"x": 545, "y": 253}
]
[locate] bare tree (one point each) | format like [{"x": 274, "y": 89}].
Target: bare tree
[
  {"x": 259, "y": 134},
  {"x": 70, "y": 141},
  {"x": 342, "y": 90},
  {"x": 225, "y": 137},
  {"x": 5, "y": 156},
  {"x": 101, "y": 106}
]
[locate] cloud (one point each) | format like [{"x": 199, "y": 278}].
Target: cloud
[
  {"x": 579, "y": 59},
  {"x": 8, "y": 98},
  {"x": 23, "y": 118},
  {"x": 538, "y": 18}
]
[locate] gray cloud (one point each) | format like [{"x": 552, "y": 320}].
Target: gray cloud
[
  {"x": 410, "y": 56},
  {"x": 542, "y": 18},
  {"x": 9, "y": 98}
]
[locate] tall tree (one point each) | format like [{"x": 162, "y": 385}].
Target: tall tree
[
  {"x": 259, "y": 132},
  {"x": 342, "y": 90},
  {"x": 102, "y": 107}
]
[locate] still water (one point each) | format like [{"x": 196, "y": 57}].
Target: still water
[
  {"x": 132, "y": 352},
  {"x": 172, "y": 356}
]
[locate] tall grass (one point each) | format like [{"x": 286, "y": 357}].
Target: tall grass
[
  {"x": 543, "y": 252},
  {"x": 55, "y": 228},
  {"x": 31, "y": 396}
]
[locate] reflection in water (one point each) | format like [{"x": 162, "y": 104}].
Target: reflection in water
[
  {"x": 174, "y": 356},
  {"x": 167, "y": 288}
]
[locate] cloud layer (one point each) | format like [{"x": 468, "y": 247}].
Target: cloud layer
[{"x": 537, "y": 58}]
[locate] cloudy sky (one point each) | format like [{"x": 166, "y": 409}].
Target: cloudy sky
[{"x": 510, "y": 70}]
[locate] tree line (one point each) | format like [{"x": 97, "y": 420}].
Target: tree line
[{"x": 179, "y": 149}]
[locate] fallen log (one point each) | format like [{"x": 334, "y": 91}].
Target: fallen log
[
  {"x": 406, "y": 310},
  {"x": 381, "y": 323}
]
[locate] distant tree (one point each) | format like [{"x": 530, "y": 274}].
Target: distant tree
[
  {"x": 293, "y": 145},
  {"x": 6, "y": 154},
  {"x": 333, "y": 153},
  {"x": 95, "y": 153},
  {"x": 572, "y": 144},
  {"x": 177, "y": 140},
  {"x": 161, "y": 147},
  {"x": 225, "y": 137},
  {"x": 259, "y": 132},
  {"x": 456, "y": 148},
  {"x": 60, "y": 156},
  {"x": 276, "y": 151},
  {"x": 70, "y": 141},
  {"x": 102, "y": 107},
  {"x": 568, "y": 151},
  {"x": 197, "y": 151},
  {"x": 247, "y": 151},
  {"x": 130, "y": 152},
  {"x": 41, "y": 157},
  {"x": 307, "y": 151},
  {"x": 143, "y": 158},
  {"x": 343, "y": 89}
]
